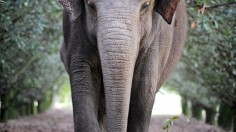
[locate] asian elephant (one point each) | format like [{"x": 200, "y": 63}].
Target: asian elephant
[{"x": 117, "y": 54}]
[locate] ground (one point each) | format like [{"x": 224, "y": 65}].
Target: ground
[{"x": 56, "y": 120}]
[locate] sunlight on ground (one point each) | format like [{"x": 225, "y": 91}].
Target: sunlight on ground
[
  {"x": 167, "y": 103},
  {"x": 67, "y": 104}
]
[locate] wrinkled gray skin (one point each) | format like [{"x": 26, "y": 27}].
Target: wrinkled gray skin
[{"x": 117, "y": 54}]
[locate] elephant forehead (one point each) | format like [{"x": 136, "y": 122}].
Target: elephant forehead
[
  {"x": 113, "y": 3},
  {"x": 120, "y": 3}
]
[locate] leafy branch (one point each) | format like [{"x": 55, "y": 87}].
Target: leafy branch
[
  {"x": 2, "y": 2},
  {"x": 169, "y": 123},
  {"x": 220, "y": 5},
  {"x": 213, "y": 6}
]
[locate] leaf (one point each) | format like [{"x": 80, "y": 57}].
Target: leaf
[
  {"x": 171, "y": 123},
  {"x": 165, "y": 127},
  {"x": 201, "y": 9},
  {"x": 216, "y": 24},
  {"x": 193, "y": 25},
  {"x": 2, "y": 2},
  {"x": 175, "y": 117}
]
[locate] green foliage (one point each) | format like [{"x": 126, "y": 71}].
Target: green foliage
[
  {"x": 226, "y": 117},
  {"x": 169, "y": 123},
  {"x": 30, "y": 34},
  {"x": 210, "y": 50},
  {"x": 206, "y": 74},
  {"x": 2, "y": 2},
  {"x": 64, "y": 95}
]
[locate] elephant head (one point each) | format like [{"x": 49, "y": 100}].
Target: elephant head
[{"x": 117, "y": 28}]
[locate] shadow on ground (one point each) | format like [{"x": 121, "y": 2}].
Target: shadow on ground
[{"x": 61, "y": 121}]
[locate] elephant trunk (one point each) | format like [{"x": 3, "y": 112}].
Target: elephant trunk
[{"x": 118, "y": 49}]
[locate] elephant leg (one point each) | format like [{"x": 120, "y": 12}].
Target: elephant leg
[
  {"x": 142, "y": 98},
  {"x": 140, "y": 112},
  {"x": 85, "y": 98}
]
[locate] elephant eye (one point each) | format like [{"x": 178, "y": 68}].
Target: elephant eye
[
  {"x": 144, "y": 7},
  {"x": 91, "y": 5}
]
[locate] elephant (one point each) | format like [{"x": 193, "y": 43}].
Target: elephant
[{"x": 117, "y": 54}]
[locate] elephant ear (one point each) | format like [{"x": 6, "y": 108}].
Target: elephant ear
[
  {"x": 166, "y": 8},
  {"x": 72, "y": 7}
]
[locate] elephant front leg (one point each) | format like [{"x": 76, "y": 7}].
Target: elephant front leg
[
  {"x": 142, "y": 98},
  {"x": 85, "y": 98}
]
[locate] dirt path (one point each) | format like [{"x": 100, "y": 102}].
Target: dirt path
[{"x": 61, "y": 121}]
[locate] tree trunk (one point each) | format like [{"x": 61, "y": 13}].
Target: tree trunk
[
  {"x": 226, "y": 117},
  {"x": 3, "y": 114},
  {"x": 39, "y": 109},
  {"x": 22, "y": 110},
  {"x": 32, "y": 108},
  {"x": 185, "y": 106},
  {"x": 196, "y": 111},
  {"x": 210, "y": 116},
  {"x": 234, "y": 120},
  {"x": 3, "y": 110}
]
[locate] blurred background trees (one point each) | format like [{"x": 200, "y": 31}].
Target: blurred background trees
[
  {"x": 30, "y": 67},
  {"x": 31, "y": 73},
  {"x": 206, "y": 74}
]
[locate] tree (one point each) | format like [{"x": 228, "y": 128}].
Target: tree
[
  {"x": 30, "y": 33},
  {"x": 209, "y": 57}
]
